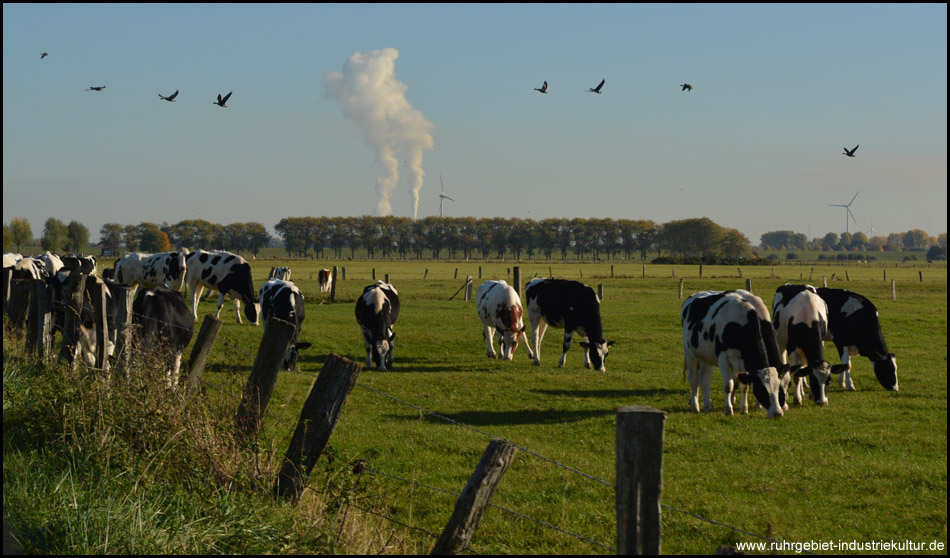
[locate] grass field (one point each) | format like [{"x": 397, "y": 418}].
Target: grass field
[{"x": 871, "y": 466}]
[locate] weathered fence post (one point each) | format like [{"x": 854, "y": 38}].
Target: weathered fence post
[
  {"x": 200, "y": 353},
  {"x": 386, "y": 277},
  {"x": 7, "y": 286},
  {"x": 893, "y": 290},
  {"x": 317, "y": 421},
  {"x": 739, "y": 269},
  {"x": 644, "y": 271},
  {"x": 639, "y": 479},
  {"x": 456, "y": 273},
  {"x": 773, "y": 272},
  {"x": 824, "y": 281},
  {"x": 847, "y": 276},
  {"x": 42, "y": 317},
  {"x": 20, "y": 296},
  {"x": 333, "y": 285},
  {"x": 600, "y": 291},
  {"x": 921, "y": 273},
  {"x": 748, "y": 285},
  {"x": 73, "y": 292},
  {"x": 270, "y": 357},
  {"x": 343, "y": 270},
  {"x": 885, "y": 274},
  {"x": 98, "y": 293},
  {"x": 468, "y": 288},
  {"x": 374, "y": 274},
  {"x": 681, "y": 287},
  {"x": 476, "y": 496},
  {"x": 673, "y": 272},
  {"x": 516, "y": 279},
  {"x": 700, "y": 271},
  {"x": 124, "y": 296},
  {"x": 426, "y": 274},
  {"x": 611, "y": 271}
]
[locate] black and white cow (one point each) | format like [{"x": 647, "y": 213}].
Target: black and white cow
[
  {"x": 376, "y": 312},
  {"x": 732, "y": 330},
  {"x": 151, "y": 270},
  {"x": 283, "y": 300},
  {"x": 229, "y": 274},
  {"x": 164, "y": 320},
  {"x": 855, "y": 328},
  {"x": 88, "y": 338},
  {"x": 800, "y": 318},
  {"x": 29, "y": 268},
  {"x": 51, "y": 261},
  {"x": 81, "y": 263},
  {"x": 499, "y": 308},
  {"x": 325, "y": 277},
  {"x": 572, "y": 306},
  {"x": 11, "y": 258}
]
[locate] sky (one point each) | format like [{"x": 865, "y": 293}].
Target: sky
[{"x": 343, "y": 110}]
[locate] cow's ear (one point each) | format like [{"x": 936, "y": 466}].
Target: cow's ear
[
  {"x": 745, "y": 378},
  {"x": 839, "y": 368},
  {"x": 302, "y": 346},
  {"x": 804, "y": 372},
  {"x": 392, "y": 336},
  {"x": 585, "y": 344},
  {"x": 610, "y": 343}
]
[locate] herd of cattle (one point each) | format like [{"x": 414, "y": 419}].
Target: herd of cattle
[{"x": 731, "y": 330}]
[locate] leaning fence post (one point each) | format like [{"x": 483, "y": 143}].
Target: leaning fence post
[
  {"x": 476, "y": 496},
  {"x": 7, "y": 285},
  {"x": 317, "y": 421},
  {"x": 260, "y": 384},
  {"x": 468, "y": 288},
  {"x": 200, "y": 353},
  {"x": 73, "y": 292},
  {"x": 639, "y": 479}
]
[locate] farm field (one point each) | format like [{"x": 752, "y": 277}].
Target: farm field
[{"x": 871, "y": 466}]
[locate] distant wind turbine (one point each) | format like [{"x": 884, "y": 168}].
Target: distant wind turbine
[
  {"x": 442, "y": 197},
  {"x": 847, "y": 209}
]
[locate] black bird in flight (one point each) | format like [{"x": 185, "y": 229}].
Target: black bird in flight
[
  {"x": 850, "y": 153},
  {"x": 221, "y": 101},
  {"x": 44, "y": 55},
  {"x": 170, "y": 98},
  {"x": 687, "y": 87},
  {"x": 94, "y": 88},
  {"x": 597, "y": 89},
  {"x": 543, "y": 88}
]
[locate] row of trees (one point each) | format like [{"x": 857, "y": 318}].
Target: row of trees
[
  {"x": 914, "y": 239},
  {"x": 468, "y": 237},
  {"x": 57, "y": 236},
  {"x": 190, "y": 233}
]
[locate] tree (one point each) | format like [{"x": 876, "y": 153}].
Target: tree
[
  {"x": 916, "y": 239},
  {"x": 54, "y": 235},
  {"x": 152, "y": 239},
  {"x": 783, "y": 240},
  {"x": 693, "y": 237},
  {"x": 110, "y": 238},
  {"x": 830, "y": 242},
  {"x": 7, "y": 238},
  {"x": 736, "y": 245},
  {"x": 20, "y": 232},
  {"x": 257, "y": 237},
  {"x": 77, "y": 237}
]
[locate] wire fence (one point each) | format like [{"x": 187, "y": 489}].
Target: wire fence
[{"x": 240, "y": 353}]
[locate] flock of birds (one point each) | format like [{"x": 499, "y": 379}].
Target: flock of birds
[{"x": 222, "y": 101}]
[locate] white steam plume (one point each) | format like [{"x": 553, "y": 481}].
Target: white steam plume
[{"x": 369, "y": 92}]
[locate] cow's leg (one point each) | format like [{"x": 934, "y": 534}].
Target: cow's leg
[
  {"x": 568, "y": 333},
  {"x": 527, "y": 346},
  {"x": 705, "y": 382},
  {"x": 846, "y": 375},
  {"x": 489, "y": 333},
  {"x": 172, "y": 375},
  {"x": 237, "y": 309},
  {"x": 744, "y": 401},
  {"x": 799, "y": 382},
  {"x": 195, "y": 296},
  {"x": 727, "y": 383},
  {"x": 587, "y": 353},
  {"x": 693, "y": 373},
  {"x": 537, "y": 334},
  {"x": 217, "y": 313}
]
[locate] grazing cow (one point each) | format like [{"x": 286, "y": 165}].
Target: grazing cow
[
  {"x": 572, "y": 306},
  {"x": 282, "y": 299},
  {"x": 228, "y": 273},
  {"x": 282, "y": 273},
  {"x": 376, "y": 312},
  {"x": 800, "y": 318},
  {"x": 164, "y": 320},
  {"x": 52, "y": 262},
  {"x": 10, "y": 259},
  {"x": 326, "y": 280},
  {"x": 151, "y": 270},
  {"x": 733, "y": 330},
  {"x": 29, "y": 268},
  {"x": 88, "y": 338},
  {"x": 855, "y": 329},
  {"x": 499, "y": 307}
]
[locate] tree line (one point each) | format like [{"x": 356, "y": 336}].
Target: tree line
[{"x": 914, "y": 239}]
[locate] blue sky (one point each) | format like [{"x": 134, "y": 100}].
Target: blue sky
[{"x": 779, "y": 90}]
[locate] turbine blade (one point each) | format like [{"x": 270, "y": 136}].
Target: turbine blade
[{"x": 855, "y": 195}]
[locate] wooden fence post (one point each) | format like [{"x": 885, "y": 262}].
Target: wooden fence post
[
  {"x": 824, "y": 281},
  {"x": 333, "y": 285},
  {"x": 600, "y": 291},
  {"x": 317, "y": 421},
  {"x": 893, "y": 290},
  {"x": 681, "y": 287},
  {"x": 270, "y": 357},
  {"x": 921, "y": 273},
  {"x": 98, "y": 293},
  {"x": 700, "y": 271},
  {"x": 516, "y": 279},
  {"x": 639, "y": 479},
  {"x": 847, "y": 276},
  {"x": 124, "y": 296},
  {"x": 611, "y": 271},
  {"x": 73, "y": 292},
  {"x": 644, "y": 275},
  {"x": 748, "y": 285},
  {"x": 200, "y": 353},
  {"x": 386, "y": 277},
  {"x": 19, "y": 307},
  {"x": 7, "y": 286},
  {"x": 42, "y": 320},
  {"x": 476, "y": 496},
  {"x": 468, "y": 288}
]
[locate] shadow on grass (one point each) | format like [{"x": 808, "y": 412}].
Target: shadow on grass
[
  {"x": 508, "y": 418},
  {"x": 609, "y": 393}
]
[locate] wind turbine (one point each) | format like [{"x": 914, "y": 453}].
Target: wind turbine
[
  {"x": 847, "y": 209},
  {"x": 442, "y": 197}
]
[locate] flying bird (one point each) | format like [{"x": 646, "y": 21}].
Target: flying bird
[
  {"x": 597, "y": 89},
  {"x": 221, "y": 101},
  {"x": 170, "y": 98},
  {"x": 687, "y": 87},
  {"x": 850, "y": 153},
  {"x": 543, "y": 88},
  {"x": 44, "y": 55},
  {"x": 94, "y": 88}
]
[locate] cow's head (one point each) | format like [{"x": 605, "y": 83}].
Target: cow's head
[
  {"x": 383, "y": 351},
  {"x": 820, "y": 375},
  {"x": 885, "y": 368},
  {"x": 293, "y": 354},
  {"x": 252, "y": 309},
  {"x": 509, "y": 342},
  {"x": 769, "y": 386},
  {"x": 598, "y": 353}
]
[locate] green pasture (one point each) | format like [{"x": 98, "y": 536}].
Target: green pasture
[{"x": 870, "y": 466}]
